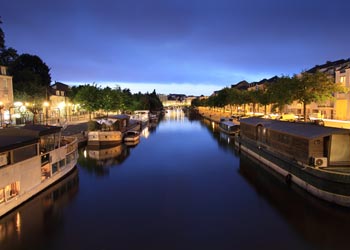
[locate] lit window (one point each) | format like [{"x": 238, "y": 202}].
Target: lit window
[
  {"x": 12, "y": 190},
  {"x": 342, "y": 80},
  {"x": 2, "y": 195}
]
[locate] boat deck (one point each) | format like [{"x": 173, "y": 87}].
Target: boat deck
[{"x": 338, "y": 170}]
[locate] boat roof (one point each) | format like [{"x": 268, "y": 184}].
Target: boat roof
[
  {"x": 14, "y": 137},
  {"x": 299, "y": 129}
]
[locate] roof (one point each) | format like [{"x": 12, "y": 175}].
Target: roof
[
  {"x": 11, "y": 138},
  {"x": 298, "y": 129}
]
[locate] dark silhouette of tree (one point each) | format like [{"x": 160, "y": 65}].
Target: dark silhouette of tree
[
  {"x": 2, "y": 37},
  {"x": 8, "y": 56},
  {"x": 31, "y": 76}
]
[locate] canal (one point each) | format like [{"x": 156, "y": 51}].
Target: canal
[{"x": 182, "y": 187}]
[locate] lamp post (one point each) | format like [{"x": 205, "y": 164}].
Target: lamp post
[{"x": 1, "y": 107}]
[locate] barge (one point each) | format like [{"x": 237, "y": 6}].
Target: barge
[
  {"x": 316, "y": 158},
  {"x": 32, "y": 158}
]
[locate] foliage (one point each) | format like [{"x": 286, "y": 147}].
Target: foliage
[
  {"x": 2, "y": 37},
  {"x": 89, "y": 96},
  {"x": 31, "y": 76},
  {"x": 8, "y": 56}
]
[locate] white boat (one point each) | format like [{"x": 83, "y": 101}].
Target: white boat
[
  {"x": 132, "y": 137},
  {"x": 32, "y": 158},
  {"x": 229, "y": 126}
]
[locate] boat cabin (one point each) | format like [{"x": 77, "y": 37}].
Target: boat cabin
[{"x": 303, "y": 142}]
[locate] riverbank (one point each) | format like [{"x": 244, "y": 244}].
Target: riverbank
[{"x": 213, "y": 115}]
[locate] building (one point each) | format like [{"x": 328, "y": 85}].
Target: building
[
  {"x": 6, "y": 94},
  {"x": 342, "y": 103}
]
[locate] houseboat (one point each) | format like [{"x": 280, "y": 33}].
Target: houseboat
[
  {"x": 111, "y": 130},
  {"x": 32, "y": 158},
  {"x": 315, "y": 158},
  {"x": 229, "y": 126}
]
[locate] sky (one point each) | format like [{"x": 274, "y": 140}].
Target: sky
[{"x": 191, "y": 47}]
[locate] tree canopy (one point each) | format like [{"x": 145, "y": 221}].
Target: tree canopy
[{"x": 31, "y": 77}]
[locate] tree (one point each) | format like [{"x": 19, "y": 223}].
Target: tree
[
  {"x": 2, "y": 37},
  {"x": 89, "y": 97},
  {"x": 30, "y": 76},
  {"x": 8, "y": 56},
  {"x": 313, "y": 87},
  {"x": 281, "y": 92}
]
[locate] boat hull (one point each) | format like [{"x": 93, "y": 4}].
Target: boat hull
[
  {"x": 333, "y": 187},
  {"x": 33, "y": 180},
  {"x": 100, "y": 138}
]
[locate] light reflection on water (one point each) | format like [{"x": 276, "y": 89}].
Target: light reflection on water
[{"x": 184, "y": 186}]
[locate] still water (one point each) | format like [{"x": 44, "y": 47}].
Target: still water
[{"x": 182, "y": 187}]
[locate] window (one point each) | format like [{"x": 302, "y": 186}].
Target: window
[
  {"x": 342, "y": 80},
  {"x": 24, "y": 153},
  {"x": 2, "y": 195},
  {"x": 54, "y": 167},
  {"x": 5, "y": 84},
  {"x": 57, "y": 92},
  {"x": 62, "y": 163},
  {"x": 12, "y": 190},
  {"x": 4, "y": 159}
]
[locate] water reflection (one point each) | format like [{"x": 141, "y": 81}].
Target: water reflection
[
  {"x": 99, "y": 160},
  {"x": 225, "y": 141},
  {"x": 38, "y": 219},
  {"x": 324, "y": 225}
]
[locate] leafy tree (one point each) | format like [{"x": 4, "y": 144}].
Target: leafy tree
[
  {"x": 111, "y": 99},
  {"x": 30, "y": 76},
  {"x": 281, "y": 92},
  {"x": 8, "y": 56},
  {"x": 313, "y": 87},
  {"x": 88, "y": 96},
  {"x": 2, "y": 37}
]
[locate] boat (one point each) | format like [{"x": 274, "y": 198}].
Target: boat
[
  {"x": 111, "y": 130},
  {"x": 102, "y": 138},
  {"x": 131, "y": 138},
  {"x": 228, "y": 126},
  {"x": 313, "y": 157},
  {"x": 32, "y": 158}
]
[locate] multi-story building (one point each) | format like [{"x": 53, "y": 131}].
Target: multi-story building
[
  {"x": 337, "y": 108},
  {"x": 6, "y": 94},
  {"x": 342, "y": 102}
]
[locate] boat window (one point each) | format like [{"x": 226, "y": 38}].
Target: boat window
[
  {"x": 45, "y": 172},
  {"x": 24, "y": 153},
  {"x": 12, "y": 190},
  {"x": 4, "y": 159},
  {"x": 54, "y": 167},
  {"x": 47, "y": 143},
  {"x": 2, "y": 195},
  {"x": 62, "y": 163}
]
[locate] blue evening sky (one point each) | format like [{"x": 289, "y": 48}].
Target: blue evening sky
[{"x": 185, "y": 46}]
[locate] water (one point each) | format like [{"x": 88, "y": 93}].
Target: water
[{"x": 183, "y": 187}]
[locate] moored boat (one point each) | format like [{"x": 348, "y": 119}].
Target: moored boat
[
  {"x": 32, "y": 158},
  {"x": 131, "y": 138},
  {"x": 101, "y": 138},
  {"x": 229, "y": 126},
  {"x": 316, "y": 158}
]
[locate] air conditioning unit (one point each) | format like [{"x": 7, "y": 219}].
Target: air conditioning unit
[{"x": 319, "y": 161}]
